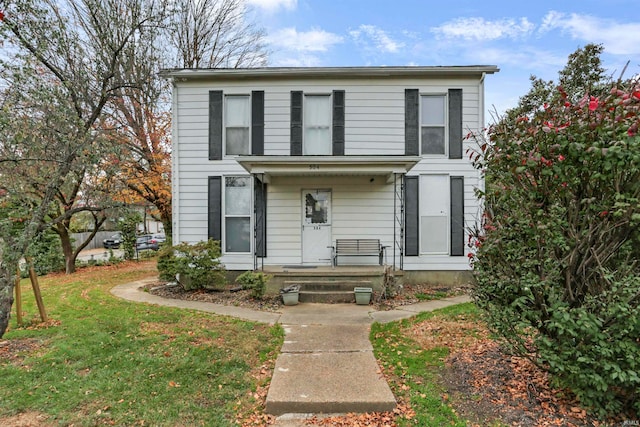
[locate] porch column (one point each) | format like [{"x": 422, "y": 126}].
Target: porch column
[
  {"x": 259, "y": 220},
  {"x": 398, "y": 220}
]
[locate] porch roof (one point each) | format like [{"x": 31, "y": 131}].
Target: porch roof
[{"x": 266, "y": 167}]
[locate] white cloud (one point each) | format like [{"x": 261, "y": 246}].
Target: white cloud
[
  {"x": 314, "y": 40},
  {"x": 302, "y": 60},
  {"x": 380, "y": 38},
  {"x": 479, "y": 29},
  {"x": 273, "y": 5},
  {"x": 538, "y": 61},
  {"x": 550, "y": 21},
  {"x": 618, "y": 38}
]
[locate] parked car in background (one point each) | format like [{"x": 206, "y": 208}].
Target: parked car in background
[
  {"x": 147, "y": 242},
  {"x": 113, "y": 242},
  {"x": 160, "y": 237}
]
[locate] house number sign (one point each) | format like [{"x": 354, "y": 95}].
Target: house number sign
[{"x": 314, "y": 166}]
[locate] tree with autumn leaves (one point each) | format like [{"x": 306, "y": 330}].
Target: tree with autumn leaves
[
  {"x": 84, "y": 118},
  {"x": 556, "y": 257}
]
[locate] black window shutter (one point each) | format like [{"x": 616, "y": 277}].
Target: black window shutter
[
  {"x": 412, "y": 216},
  {"x": 411, "y": 122},
  {"x": 215, "y": 208},
  {"x": 215, "y": 125},
  {"x": 261, "y": 217},
  {"x": 257, "y": 122},
  {"x": 296, "y": 123},
  {"x": 457, "y": 215},
  {"x": 338, "y": 123},
  {"x": 455, "y": 123}
]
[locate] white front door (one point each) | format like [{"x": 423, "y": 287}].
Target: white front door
[{"x": 316, "y": 227}]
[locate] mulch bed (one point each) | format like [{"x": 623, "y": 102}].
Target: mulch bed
[{"x": 409, "y": 294}]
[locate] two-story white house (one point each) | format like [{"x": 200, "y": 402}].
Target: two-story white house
[{"x": 281, "y": 164}]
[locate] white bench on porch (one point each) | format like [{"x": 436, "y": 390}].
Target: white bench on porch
[{"x": 357, "y": 247}]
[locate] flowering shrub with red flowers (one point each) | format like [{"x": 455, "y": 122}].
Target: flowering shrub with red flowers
[{"x": 557, "y": 256}]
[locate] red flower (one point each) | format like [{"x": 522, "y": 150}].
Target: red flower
[
  {"x": 593, "y": 103},
  {"x": 603, "y": 214},
  {"x": 561, "y": 158},
  {"x": 1, "y": 15}
]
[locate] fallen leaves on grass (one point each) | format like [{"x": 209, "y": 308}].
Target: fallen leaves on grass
[
  {"x": 485, "y": 384},
  {"x": 14, "y": 351},
  {"x": 453, "y": 334},
  {"x": 370, "y": 419},
  {"x": 50, "y": 323}
]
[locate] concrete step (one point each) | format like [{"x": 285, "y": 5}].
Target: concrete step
[
  {"x": 328, "y": 291},
  {"x": 327, "y": 297},
  {"x": 329, "y": 285},
  {"x": 325, "y": 369},
  {"x": 325, "y": 383}
]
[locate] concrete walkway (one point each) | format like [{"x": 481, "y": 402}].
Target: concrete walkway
[{"x": 326, "y": 364}]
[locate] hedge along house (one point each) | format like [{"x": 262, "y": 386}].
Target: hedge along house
[{"x": 283, "y": 164}]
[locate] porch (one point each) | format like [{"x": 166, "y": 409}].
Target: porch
[{"x": 308, "y": 203}]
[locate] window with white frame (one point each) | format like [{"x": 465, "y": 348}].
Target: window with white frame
[
  {"x": 434, "y": 214},
  {"x": 433, "y": 124},
  {"x": 237, "y": 214},
  {"x": 317, "y": 125},
  {"x": 237, "y": 124}
]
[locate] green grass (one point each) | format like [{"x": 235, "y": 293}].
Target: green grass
[
  {"x": 414, "y": 371},
  {"x": 433, "y": 296},
  {"x": 110, "y": 361}
]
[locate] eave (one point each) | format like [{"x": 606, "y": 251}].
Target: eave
[
  {"x": 266, "y": 167},
  {"x": 188, "y": 74}
]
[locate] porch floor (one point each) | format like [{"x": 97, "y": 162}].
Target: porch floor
[{"x": 323, "y": 270}]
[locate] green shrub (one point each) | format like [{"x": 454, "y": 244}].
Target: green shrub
[
  {"x": 556, "y": 257},
  {"x": 200, "y": 265},
  {"x": 128, "y": 226},
  {"x": 256, "y": 281},
  {"x": 46, "y": 253},
  {"x": 166, "y": 263}
]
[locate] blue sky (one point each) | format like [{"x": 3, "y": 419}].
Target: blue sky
[{"x": 521, "y": 38}]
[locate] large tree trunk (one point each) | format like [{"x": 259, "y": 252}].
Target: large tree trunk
[
  {"x": 67, "y": 248},
  {"x": 70, "y": 255},
  {"x": 7, "y": 283}
]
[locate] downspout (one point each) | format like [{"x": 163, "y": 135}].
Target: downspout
[
  {"x": 175, "y": 166},
  {"x": 254, "y": 177}
]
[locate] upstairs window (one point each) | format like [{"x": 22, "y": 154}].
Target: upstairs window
[
  {"x": 237, "y": 125},
  {"x": 433, "y": 124},
  {"x": 317, "y": 125}
]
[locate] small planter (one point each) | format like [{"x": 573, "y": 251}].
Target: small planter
[
  {"x": 363, "y": 295},
  {"x": 290, "y": 294}
]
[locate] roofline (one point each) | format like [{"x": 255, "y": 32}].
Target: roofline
[{"x": 184, "y": 74}]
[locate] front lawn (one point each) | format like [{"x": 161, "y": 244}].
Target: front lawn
[{"x": 104, "y": 361}]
